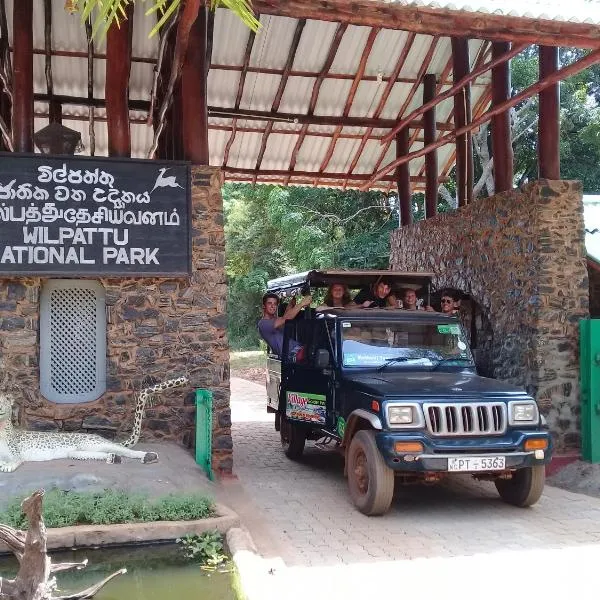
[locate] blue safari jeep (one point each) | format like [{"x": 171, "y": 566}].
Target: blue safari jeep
[{"x": 396, "y": 391}]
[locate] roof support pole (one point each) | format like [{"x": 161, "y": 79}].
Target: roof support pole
[
  {"x": 22, "y": 115},
  {"x": 118, "y": 64},
  {"x": 549, "y": 119},
  {"x": 576, "y": 67},
  {"x": 403, "y": 178},
  {"x": 194, "y": 102},
  {"x": 431, "y": 159},
  {"x": 462, "y": 116},
  {"x": 501, "y": 135}
]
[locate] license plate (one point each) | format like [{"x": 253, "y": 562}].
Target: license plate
[{"x": 476, "y": 463}]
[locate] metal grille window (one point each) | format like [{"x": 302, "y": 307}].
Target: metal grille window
[{"x": 72, "y": 341}]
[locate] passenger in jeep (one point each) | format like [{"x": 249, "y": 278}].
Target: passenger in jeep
[
  {"x": 377, "y": 296},
  {"x": 270, "y": 327}
]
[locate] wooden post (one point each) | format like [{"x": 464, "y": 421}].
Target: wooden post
[
  {"x": 194, "y": 103},
  {"x": 501, "y": 134},
  {"x": 549, "y": 117},
  {"x": 403, "y": 178},
  {"x": 118, "y": 64},
  {"x": 462, "y": 116},
  {"x": 22, "y": 114},
  {"x": 431, "y": 161}
]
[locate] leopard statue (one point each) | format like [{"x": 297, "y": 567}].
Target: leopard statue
[{"x": 18, "y": 446}]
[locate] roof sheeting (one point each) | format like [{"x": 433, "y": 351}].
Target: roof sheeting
[
  {"x": 574, "y": 11},
  {"x": 315, "y": 152}
]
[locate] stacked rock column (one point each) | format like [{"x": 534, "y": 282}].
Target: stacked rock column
[{"x": 520, "y": 255}]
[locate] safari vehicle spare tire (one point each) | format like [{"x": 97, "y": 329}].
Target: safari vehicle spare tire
[
  {"x": 525, "y": 487},
  {"x": 293, "y": 438},
  {"x": 370, "y": 480}
]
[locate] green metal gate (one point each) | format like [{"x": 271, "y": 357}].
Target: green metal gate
[
  {"x": 204, "y": 406},
  {"x": 589, "y": 361}
]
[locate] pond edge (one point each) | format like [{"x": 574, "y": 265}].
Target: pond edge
[{"x": 92, "y": 536}]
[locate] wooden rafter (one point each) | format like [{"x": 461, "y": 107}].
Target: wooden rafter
[
  {"x": 189, "y": 13},
  {"x": 279, "y": 94},
  {"x": 422, "y": 70},
  {"x": 116, "y": 90},
  {"x": 437, "y": 21},
  {"x": 574, "y": 68},
  {"x": 90, "y": 86},
  {"x": 240, "y": 92},
  {"x": 22, "y": 113},
  {"x": 333, "y": 48},
  {"x": 454, "y": 89},
  {"x": 360, "y": 71},
  {"x": 384, "y": 98}
]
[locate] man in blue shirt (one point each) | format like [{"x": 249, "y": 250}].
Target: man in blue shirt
[{"x": 270, "y": 326}]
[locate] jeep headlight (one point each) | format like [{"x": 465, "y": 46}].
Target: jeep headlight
[
  {"x": 524, "y": 412},
  {"x": 400, "y": 415}
]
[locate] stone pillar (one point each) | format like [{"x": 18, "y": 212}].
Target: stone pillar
[
  {"x": 157, "y": 328},
  {"x": 521, "y": 256}
]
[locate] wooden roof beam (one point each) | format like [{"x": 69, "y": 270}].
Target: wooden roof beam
[
  {"x": 116, "y": 90},
  {"x": 333, "y": 48},
  {"x": 256, "y": 173},
  {"x": 240, "y": 91},
  {"x": 360, "y": 71},
  {"x": 574, "y": 68},
  {"x": 384, "y": 97},
  {"x": 281, "y": 89},
  {"x": 437, "y": 21},
  {"x": 411, "y": 93},
  {"x": 454, "y": 89}
]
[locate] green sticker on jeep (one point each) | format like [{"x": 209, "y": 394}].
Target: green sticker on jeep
[{"x": 341, "y": 426}]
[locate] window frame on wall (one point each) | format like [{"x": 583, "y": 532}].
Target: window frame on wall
[{"x": 61, "y": 331}]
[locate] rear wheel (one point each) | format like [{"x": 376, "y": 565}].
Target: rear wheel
[
  {"x": 524, "y": 488},
  {"x": 370, "y": 480},
  {"x": 293, "y": 439}
]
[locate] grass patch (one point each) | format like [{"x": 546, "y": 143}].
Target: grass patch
[
  {"x": 62, "y": 509},
  {"x": 248, "y": 359}
]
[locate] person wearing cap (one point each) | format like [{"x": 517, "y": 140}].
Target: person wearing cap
[{"x": 379, "y": 295}]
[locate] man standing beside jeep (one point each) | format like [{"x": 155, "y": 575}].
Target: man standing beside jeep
[{"x": 270, "y": 327}]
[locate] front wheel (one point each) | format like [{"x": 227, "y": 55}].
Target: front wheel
[
  {"x": 524, "y": 488},
  {"x": 293, "y": 439},
  {"x": 370, "y": 480}
]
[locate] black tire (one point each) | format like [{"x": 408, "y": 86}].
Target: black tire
[
  {"x": 525, "y": 487},
  {"x": 370, "y": 480},
  {"x": 293, "y": 439}
]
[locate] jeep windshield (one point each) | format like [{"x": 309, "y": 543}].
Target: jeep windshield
[{"x": 404, "y": 345}]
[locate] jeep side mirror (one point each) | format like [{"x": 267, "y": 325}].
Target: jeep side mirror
[{"x": 322, "y": 358}]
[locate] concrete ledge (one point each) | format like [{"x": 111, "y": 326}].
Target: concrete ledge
[
  {"x": 85, "y": 536},
  {"x": 257, "y": 575}
]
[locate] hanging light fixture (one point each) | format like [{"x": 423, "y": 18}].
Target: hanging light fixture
[{"x": 58, "y": 139}]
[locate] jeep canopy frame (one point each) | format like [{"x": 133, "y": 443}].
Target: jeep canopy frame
[{"x": 354, "y": 279}]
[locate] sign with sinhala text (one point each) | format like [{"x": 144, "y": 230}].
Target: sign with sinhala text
[{"x": 88, "y": 216}]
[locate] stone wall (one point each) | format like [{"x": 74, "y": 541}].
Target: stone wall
[
  {"x": 520, "y": 255},
  {"x": 157, "y": 328},
  {"x": 594, "y": 275}
]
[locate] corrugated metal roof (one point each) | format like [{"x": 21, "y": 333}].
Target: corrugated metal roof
[
  {"x": 268, "y": 58},
  {"x": 574, "y": 11}
]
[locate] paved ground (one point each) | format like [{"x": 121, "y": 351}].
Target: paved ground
[{"x": 455, "y": 541}]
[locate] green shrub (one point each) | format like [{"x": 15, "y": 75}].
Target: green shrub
[
  {"x": 61, "y": 509},
  {"x": 205, "y": 548}
]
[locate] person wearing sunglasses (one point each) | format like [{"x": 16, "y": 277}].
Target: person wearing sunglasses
[{"x": 449, "y": 302}]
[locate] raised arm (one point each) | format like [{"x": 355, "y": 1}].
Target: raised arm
[{"x": 292, "y": 311}]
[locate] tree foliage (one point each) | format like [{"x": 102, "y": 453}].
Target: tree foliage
[{"x": 273, "y": 231}]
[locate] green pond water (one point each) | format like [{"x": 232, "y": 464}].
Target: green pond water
[{"x": 153, "y": 573}]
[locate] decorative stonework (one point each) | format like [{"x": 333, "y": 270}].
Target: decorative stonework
[
  {"x": 521, "y": 257},
  {"x": 157, "y": 328}
]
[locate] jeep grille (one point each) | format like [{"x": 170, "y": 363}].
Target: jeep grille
[{"x": 466, "y": 419}]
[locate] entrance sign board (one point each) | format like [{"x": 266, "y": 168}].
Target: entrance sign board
[{"x": 64, "y": 215}]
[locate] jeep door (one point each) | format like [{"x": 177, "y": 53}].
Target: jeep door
[{"x": 307, "y": 389}]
